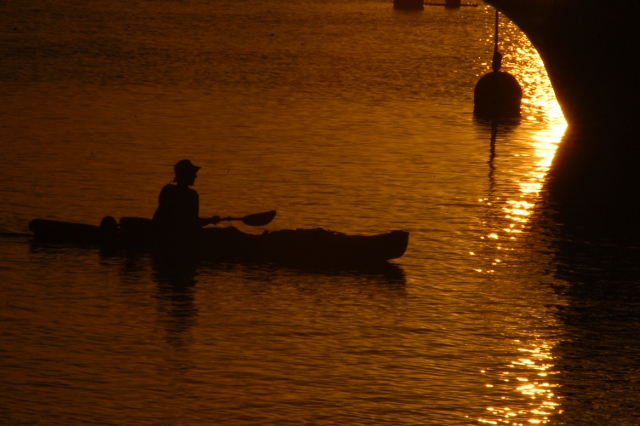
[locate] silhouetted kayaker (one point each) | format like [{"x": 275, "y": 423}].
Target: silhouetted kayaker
[{"x": 177, "y": 216}]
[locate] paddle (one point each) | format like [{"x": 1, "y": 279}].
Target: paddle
[{"x": 255, "y": 219}]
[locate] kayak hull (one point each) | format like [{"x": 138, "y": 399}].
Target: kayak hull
[{"x": 299, "y": 246}]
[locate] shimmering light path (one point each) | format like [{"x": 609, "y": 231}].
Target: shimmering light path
[{"x": 530, "y": 376}]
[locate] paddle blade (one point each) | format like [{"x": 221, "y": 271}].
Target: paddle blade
[{"x": 259, "y": 219}]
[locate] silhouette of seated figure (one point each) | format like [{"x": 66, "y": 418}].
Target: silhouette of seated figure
[{"x": 177, "y": 217}]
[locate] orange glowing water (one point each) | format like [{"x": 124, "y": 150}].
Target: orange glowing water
[{"x": 344, "y": 115}]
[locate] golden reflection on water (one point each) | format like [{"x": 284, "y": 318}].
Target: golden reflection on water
[
  {"x": 539, "y": 104},
  {"x": 539, "y": 107},
  {"x": 530, "y": 374}
]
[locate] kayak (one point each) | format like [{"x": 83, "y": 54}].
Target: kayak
[{"x": 289, "y": 246}]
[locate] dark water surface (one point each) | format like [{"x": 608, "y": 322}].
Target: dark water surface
[{"x": 344, "y": 115}]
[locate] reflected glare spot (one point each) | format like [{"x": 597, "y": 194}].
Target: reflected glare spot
[{"x": 520, "y": 212}]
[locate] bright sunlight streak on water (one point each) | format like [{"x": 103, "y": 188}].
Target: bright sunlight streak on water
[
  {"x": 530, "y": 375},
  {"x": 538, "y": 97},
  {"x": 538, "y": 104}
]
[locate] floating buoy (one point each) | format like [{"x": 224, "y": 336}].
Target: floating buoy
[{"x": 497, "y": 94}]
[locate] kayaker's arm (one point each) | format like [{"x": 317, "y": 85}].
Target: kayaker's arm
[{"x": 204, "y": 221}]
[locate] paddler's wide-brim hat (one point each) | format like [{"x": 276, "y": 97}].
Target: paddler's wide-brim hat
[{"x": 184, "y": 168}]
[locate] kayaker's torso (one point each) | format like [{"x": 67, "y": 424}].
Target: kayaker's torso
[{"x": 177, "y": 212}]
